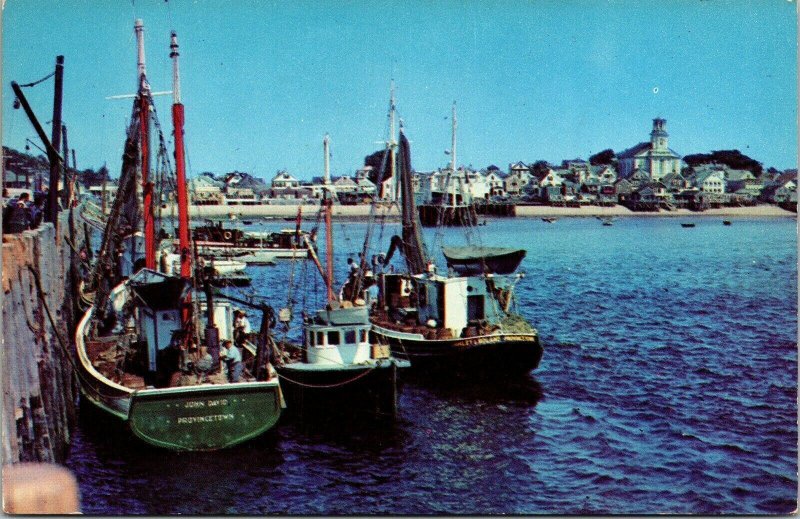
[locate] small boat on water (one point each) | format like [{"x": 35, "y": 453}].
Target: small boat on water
[
  {"x": 339, "y": 367},
  {"x": 549, "y": 219},
  {"x": 726, "y": 222},
  {"x": 687, "y": 225},
  {"x": 144, "y": 356},
  {"x": 607, "y": 223}
]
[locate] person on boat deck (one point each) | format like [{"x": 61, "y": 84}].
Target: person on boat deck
[
  {"x": 352, "y": 267},
  {"x": 223, "y": 354},
  {"x": 203, "y": 364},
  {"x": 233, "y": 358},
  {"x": 241, "y": 327}
]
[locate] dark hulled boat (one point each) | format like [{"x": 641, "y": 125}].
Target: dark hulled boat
[{"x": 456, "y": 324}]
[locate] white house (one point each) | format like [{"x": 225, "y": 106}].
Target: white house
[
  {"x": 495, "y": 182},
  {"x": 283, "y": 180},
  {"x": 710, "y": 182},
  {"x": 655, "y": 157}
]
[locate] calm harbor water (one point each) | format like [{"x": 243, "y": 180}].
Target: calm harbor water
[{"x": 668, "y": 385}]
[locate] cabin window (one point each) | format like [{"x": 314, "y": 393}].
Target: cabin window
[
  {"x": 311, "y": 338},
  {"x": 333, "y": 338},
  {"x": 320, "y": 338},
  {"x": 350, "y": 336},
  {"x": 363, "y": 335}
]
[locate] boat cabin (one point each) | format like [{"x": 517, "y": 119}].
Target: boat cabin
[
  {"x": 158, "y": 300},
  {"x": 457, "y": 306},
  {"x": 339, "y": 336}
]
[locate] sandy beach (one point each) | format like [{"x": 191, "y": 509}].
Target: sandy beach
[{"x": 524, "y": 211}]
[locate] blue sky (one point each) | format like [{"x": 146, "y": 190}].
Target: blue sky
[{"x": 263, "y": 81}]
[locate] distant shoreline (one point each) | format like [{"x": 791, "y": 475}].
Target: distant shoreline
[{"x": 523, "y": 211}]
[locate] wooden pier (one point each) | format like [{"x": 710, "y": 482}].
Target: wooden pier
[{"x": 40, "y": 276}]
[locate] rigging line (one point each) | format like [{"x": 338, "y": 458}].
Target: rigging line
[{"x": 48, "y": 76}]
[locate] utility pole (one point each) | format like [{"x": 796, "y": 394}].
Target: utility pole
[
  {"x": 66, "y": 194},
  {"x": 55, "y": 166}
]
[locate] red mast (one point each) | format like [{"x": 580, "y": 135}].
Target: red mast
[
  {"x": 144, "y": 128},
  {"x": 180, "y": 165}
]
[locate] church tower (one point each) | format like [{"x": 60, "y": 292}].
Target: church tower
[{"x": 658, "y": 137}]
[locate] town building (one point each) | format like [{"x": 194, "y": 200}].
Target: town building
[{"x": 654, "y": 157}]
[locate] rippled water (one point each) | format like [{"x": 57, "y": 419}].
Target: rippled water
[{"x": 668, "y": 385}]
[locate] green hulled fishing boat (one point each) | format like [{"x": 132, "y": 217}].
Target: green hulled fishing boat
[{"x": 144, "y": 355}]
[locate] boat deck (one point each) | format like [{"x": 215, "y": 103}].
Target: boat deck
[{"x": 110, "y": 354}]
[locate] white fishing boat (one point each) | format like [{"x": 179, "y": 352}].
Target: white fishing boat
[{"x": 339, "y": 366}]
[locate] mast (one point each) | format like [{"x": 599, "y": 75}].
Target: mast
[
  {"x": 329, "y": 246},
  {"x": 180, "y": 163},
  {"x": 144, "y": 131},
  {"x": 413, "y": 246},
  {"x": 392, "y": 144},
  {"x": 326, "y": 149},
  {"x": 453, "y": 164}
]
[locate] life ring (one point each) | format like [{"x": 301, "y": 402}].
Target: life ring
[{"x": 227, "y": 235}]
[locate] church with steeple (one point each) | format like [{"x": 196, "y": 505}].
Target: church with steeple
[{"x": 652, "y": 159}]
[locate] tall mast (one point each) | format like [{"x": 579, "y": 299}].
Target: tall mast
[
  {"x": 453, "y": 164},
  {"x": 392, "y": 145},
  {"x": 413, "y": 245},
  {"x": 144, "y": 129},
  {"x": 180, "y": 163},
  {"x": 326, "y": 149},
  {"x": 329, "y": 246}
]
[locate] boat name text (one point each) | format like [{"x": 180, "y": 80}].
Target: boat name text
[
  {"x": 196, "y": 404},
  {"x": 209, "y": 418}
]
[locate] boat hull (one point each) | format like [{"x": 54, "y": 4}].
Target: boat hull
[
  {"x": 192, "y": 418},
  {"x": 486, "y": 355},
  {"x": 369, "y": 389},
  {"x": 434, "y": 215},
  {"x": 208, "y": 417}
]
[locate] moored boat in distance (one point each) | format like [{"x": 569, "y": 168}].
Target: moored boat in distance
[
  {"x": 257, "y": 248},
  {"x": 687, "y": 224},
  {"x": 549, "y": 219}
]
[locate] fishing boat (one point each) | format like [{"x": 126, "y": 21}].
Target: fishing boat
[
  {"x": 549, "y": 219},
  {"x": 338, "y": 366},
  {"x": 144, "y": 356},
  {"x": 687, "y": 225},
  {"x": 460, "y": 323},
  {"x": 726, "y": 222},
  {"x": 452, "y": 205},
  {"x": 256, "y": 248}
]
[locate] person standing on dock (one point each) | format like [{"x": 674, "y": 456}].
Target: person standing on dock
[{"x": 19, "y": 214}]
